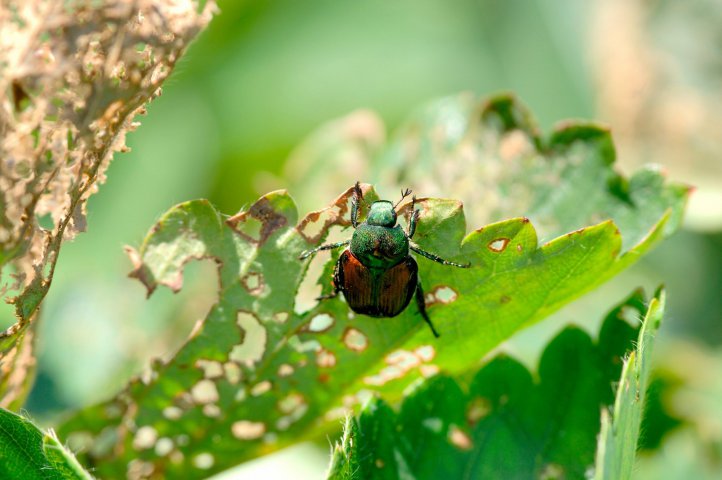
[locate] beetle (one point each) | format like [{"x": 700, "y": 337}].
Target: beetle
[{"x": 376, "y": 273}]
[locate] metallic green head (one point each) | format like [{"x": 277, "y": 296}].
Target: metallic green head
[{"x": 382, "y": 214}]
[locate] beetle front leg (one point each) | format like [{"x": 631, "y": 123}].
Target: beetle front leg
[
  {"x": 414, "y": 218},
  {"x": 415, "y": 248},
  {"x": 355, "y": 200},
  {"x": 328, "y": 246},
  {"x": 421, "y": 303}
]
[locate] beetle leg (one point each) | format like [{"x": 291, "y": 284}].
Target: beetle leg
[
  {"x": 334, "y": 294},
  {"x": 414, "y": 218},
  {"x": 436, "y": 258},
  {"x": 336, "y": 285},
  {"x": 421, "y": 303},
  {"x": 357, "y": 197},
  {"x": 328, "y": 246}
]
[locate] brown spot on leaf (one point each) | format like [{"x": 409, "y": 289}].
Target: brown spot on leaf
[
  {"x": 505, "y": 299},
  {"x": 140, "y": 271},
  {"x": 576, "y": 232},
  {"x": 335, "y": 214},
  {"x": 262, "y": 211},
  {"x": 478, "y": 408}
]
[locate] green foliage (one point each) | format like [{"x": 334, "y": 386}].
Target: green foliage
[
  {"x": 262, "y": 372},
  {"x": 490, "y": 154},
  {"x": 619, "y": 434},
  {"x": 27, "y": 453},
  {"x": 508, "y": 423}
]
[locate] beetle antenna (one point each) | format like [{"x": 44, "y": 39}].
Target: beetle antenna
[{"x": 404, "y": 194}]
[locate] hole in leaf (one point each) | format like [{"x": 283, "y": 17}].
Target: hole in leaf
[
  {"x": 428, "y": 370},
  {"x": 163, "y": 446},
  {"x": 261, "y": 388},
  {"x": 138, "y": 469},
  {"x": 630, "y": 315},
  {"x": 254, "y": 340},
  {"x": 46, "y": 221},
  {"x": 320, "y": 323},
  {"x": 498, "y": 245},
  {"x": 211, "y": 410},
  {"x": 425, "y": 353},
  {"x": 285, "y": 370},
  {"x": 247, "y": 430},
  {"x": 291, "y": 402},
  {"x": 211, "y": 368},
  {"x": 172, "y": 413},
  {"x": 253, "y": 282},
  {"x": 459, "y": 438},
  {"x": 204, "y": 391},
  {"x": 325, "y": 358},
  {"x": 250, "y": 227},
  {"x": 145, "y": 438},
  {"x": 204, "y": 461},
  {"x": 445, "y": 294},
  {"x": 355, "y": 340},
  {"x": 232, "y": 372}
]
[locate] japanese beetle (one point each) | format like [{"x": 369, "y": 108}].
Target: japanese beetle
[{"x": 376, "y": 273}]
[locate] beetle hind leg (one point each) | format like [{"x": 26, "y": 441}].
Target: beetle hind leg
[
  {"x": 336, "y": 286},
  {"x": 421, "y": 303},
  {"x": 329, "y": 246}
]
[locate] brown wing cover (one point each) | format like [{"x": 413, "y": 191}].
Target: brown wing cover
[{"x": 377, "y": 293}]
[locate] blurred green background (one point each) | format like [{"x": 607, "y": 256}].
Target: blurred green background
[{"x": 267, "y": 73}]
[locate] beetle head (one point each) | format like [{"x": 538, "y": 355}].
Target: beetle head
[{"x": 382, "y": 214}]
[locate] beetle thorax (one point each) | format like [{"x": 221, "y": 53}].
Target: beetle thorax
[
  {"x": 382, "y": 214},
  {"x": 379, "y": 247}
]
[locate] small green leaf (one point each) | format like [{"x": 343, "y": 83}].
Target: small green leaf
[
  {"x": 26, "y": 453},
  {"x": 508, "y": 423},
  {"x": 620, "y": 429}
]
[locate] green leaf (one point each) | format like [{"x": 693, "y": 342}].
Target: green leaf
[
  {"x": 26, "y": 453},
  {"x": 508, "y": 423},
  {"x": 263, "y": 371},
  {"x": 491, "y": 155},
  {"x": 620, "y": 432}
]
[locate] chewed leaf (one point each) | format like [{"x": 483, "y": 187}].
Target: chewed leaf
[
  {"x": 505, "y": 423},
  {"x": 188, "y": 232},
  {"x": 256, "y": 376},
  {"x": 490, "y": 154},
  {"x": 260, "y": 373}
]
